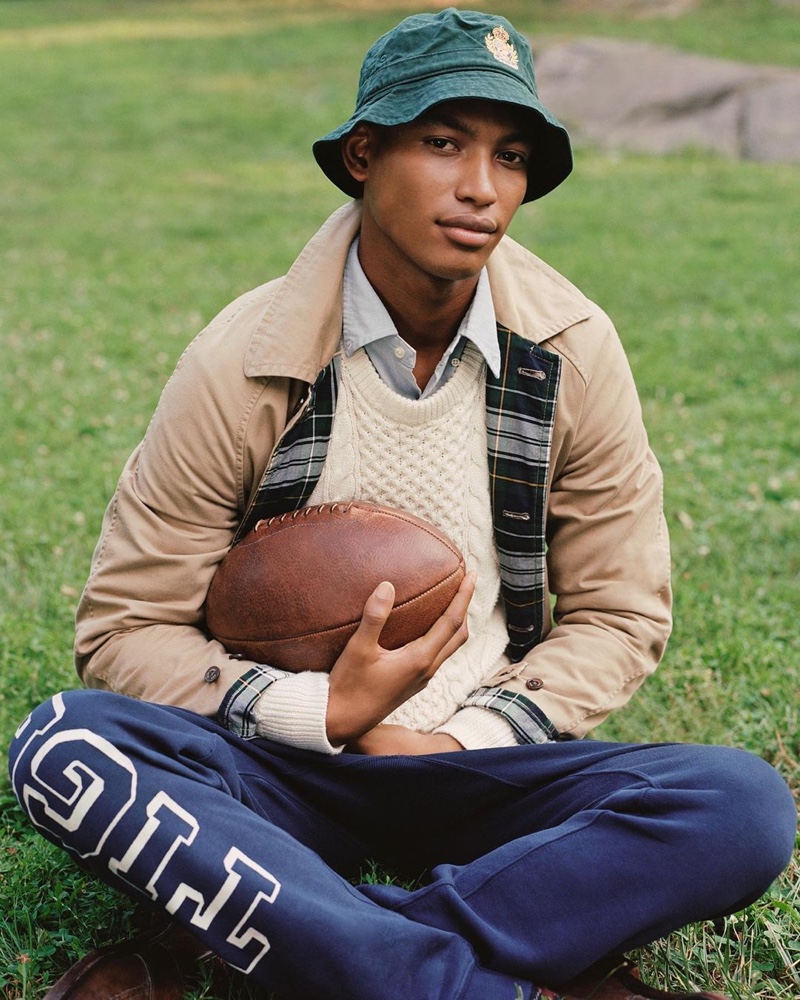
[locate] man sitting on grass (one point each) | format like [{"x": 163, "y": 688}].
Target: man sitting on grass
[{"x": 413, "y": 356}]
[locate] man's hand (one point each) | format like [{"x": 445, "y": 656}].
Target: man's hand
[
  {"x": 386, "y": 739},
  {"x": 368, "y": 682}
]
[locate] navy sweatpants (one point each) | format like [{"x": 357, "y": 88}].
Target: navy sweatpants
[{"x": 540, "y": 859}]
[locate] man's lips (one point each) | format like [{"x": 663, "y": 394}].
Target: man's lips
[
  {"x": 472, "y": 232},
  {"x": 472, "y": 223}
]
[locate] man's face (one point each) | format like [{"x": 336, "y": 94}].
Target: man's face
[{"x": 440, "y": 192}]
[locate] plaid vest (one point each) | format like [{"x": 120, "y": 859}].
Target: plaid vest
[{"x": 520, "y": 412}]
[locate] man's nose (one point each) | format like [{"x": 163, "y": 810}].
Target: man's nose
[{"x": 476, "y": 183}]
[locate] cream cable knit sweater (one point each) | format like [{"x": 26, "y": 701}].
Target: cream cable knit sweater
[{"x": 428, "y": 457}]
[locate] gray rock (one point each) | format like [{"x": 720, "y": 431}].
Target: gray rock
[
  {"x": 649, "y": 98},
  {"x": 771, "y": 122}
]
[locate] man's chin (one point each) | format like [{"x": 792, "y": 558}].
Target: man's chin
[
  {"x": 459, "y": 267},
  {"x": 457, "y": 274}
]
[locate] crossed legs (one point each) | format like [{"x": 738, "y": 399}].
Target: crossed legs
[{"x": 541, "y": 859}]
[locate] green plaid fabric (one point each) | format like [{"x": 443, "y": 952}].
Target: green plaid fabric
[
  {"x": 520, "y": 413},
  {"x": 237, "y": 711},
  {"x": 297, "y": 462},
  {"x": 530, "y": 725}
]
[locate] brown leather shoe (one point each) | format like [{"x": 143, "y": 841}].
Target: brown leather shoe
[
  {"x": 617, "y": 979},
  {"x": 149, "y": 967}
]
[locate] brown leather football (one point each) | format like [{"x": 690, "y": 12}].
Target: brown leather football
[{"x": 292, "y": 592}]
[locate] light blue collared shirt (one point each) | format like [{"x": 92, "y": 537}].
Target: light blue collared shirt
[{"x": 367, "y": 324}]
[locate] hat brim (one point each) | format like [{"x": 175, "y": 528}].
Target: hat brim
[{"x": 551, "y": 157}]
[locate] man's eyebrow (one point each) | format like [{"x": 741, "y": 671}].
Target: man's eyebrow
[
  {"x": 518, "y": 135},
  {"x": 448, "y": 121},
  {"x": 459, "y": 125}
]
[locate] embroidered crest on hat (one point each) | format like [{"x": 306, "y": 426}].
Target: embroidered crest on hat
[{"x": 498, "y": 43}]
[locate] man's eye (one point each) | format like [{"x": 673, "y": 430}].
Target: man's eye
[
  {"x": 439, "y": 142},
  {"x": 514, "y": 157}
]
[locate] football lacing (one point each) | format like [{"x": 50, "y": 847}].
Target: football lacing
[{"x": 305, "y": 511}]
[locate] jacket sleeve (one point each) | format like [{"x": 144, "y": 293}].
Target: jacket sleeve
[
  {"x": 608, "y": 551},
  {"x": 171, "y": 520}
]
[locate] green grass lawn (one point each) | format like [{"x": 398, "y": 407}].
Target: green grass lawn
[{"x": 155, "y": 162}]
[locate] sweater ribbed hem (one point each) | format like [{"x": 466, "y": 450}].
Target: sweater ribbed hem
[
  {"x": 293, "y": 710},
  {"x": 479, "y": 728}
]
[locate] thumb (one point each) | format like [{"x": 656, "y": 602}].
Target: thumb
[{"x": 377, "y": 609}]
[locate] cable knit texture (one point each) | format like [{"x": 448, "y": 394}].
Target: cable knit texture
[{"x": 428, "y": 457}]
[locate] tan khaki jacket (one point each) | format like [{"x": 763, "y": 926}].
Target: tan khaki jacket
[{"x": 188, "y": 484}]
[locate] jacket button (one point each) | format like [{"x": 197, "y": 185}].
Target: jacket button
[
  {"x": 534, "y": 683},
  {"x": 211, "y": 675}
]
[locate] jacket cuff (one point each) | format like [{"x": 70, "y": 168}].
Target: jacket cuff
[
  {"x": 529, "y": 723},
  {"x": 478, "y": 729},
  {"x": 236, "y": 711},
  {"x": 263, "y": 703}
]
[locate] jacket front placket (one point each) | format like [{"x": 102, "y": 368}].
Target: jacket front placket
[{"x": 520, "y": 415}]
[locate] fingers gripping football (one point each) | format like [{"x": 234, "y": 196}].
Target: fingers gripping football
[{"x": 368, "y": 682}]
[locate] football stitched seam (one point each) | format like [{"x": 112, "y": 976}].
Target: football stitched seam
[{"x": 401, "y": 515}]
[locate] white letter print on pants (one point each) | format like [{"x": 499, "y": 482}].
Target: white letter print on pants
[{"x": 81, "y": 786}]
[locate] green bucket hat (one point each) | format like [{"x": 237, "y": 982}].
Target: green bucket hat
[{"x": 430, "y": 58}]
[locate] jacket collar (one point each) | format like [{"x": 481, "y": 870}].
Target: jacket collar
[{"x": 300, "y": 328}]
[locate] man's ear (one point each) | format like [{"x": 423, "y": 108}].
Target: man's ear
[{"x": 355, "y": 152}]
